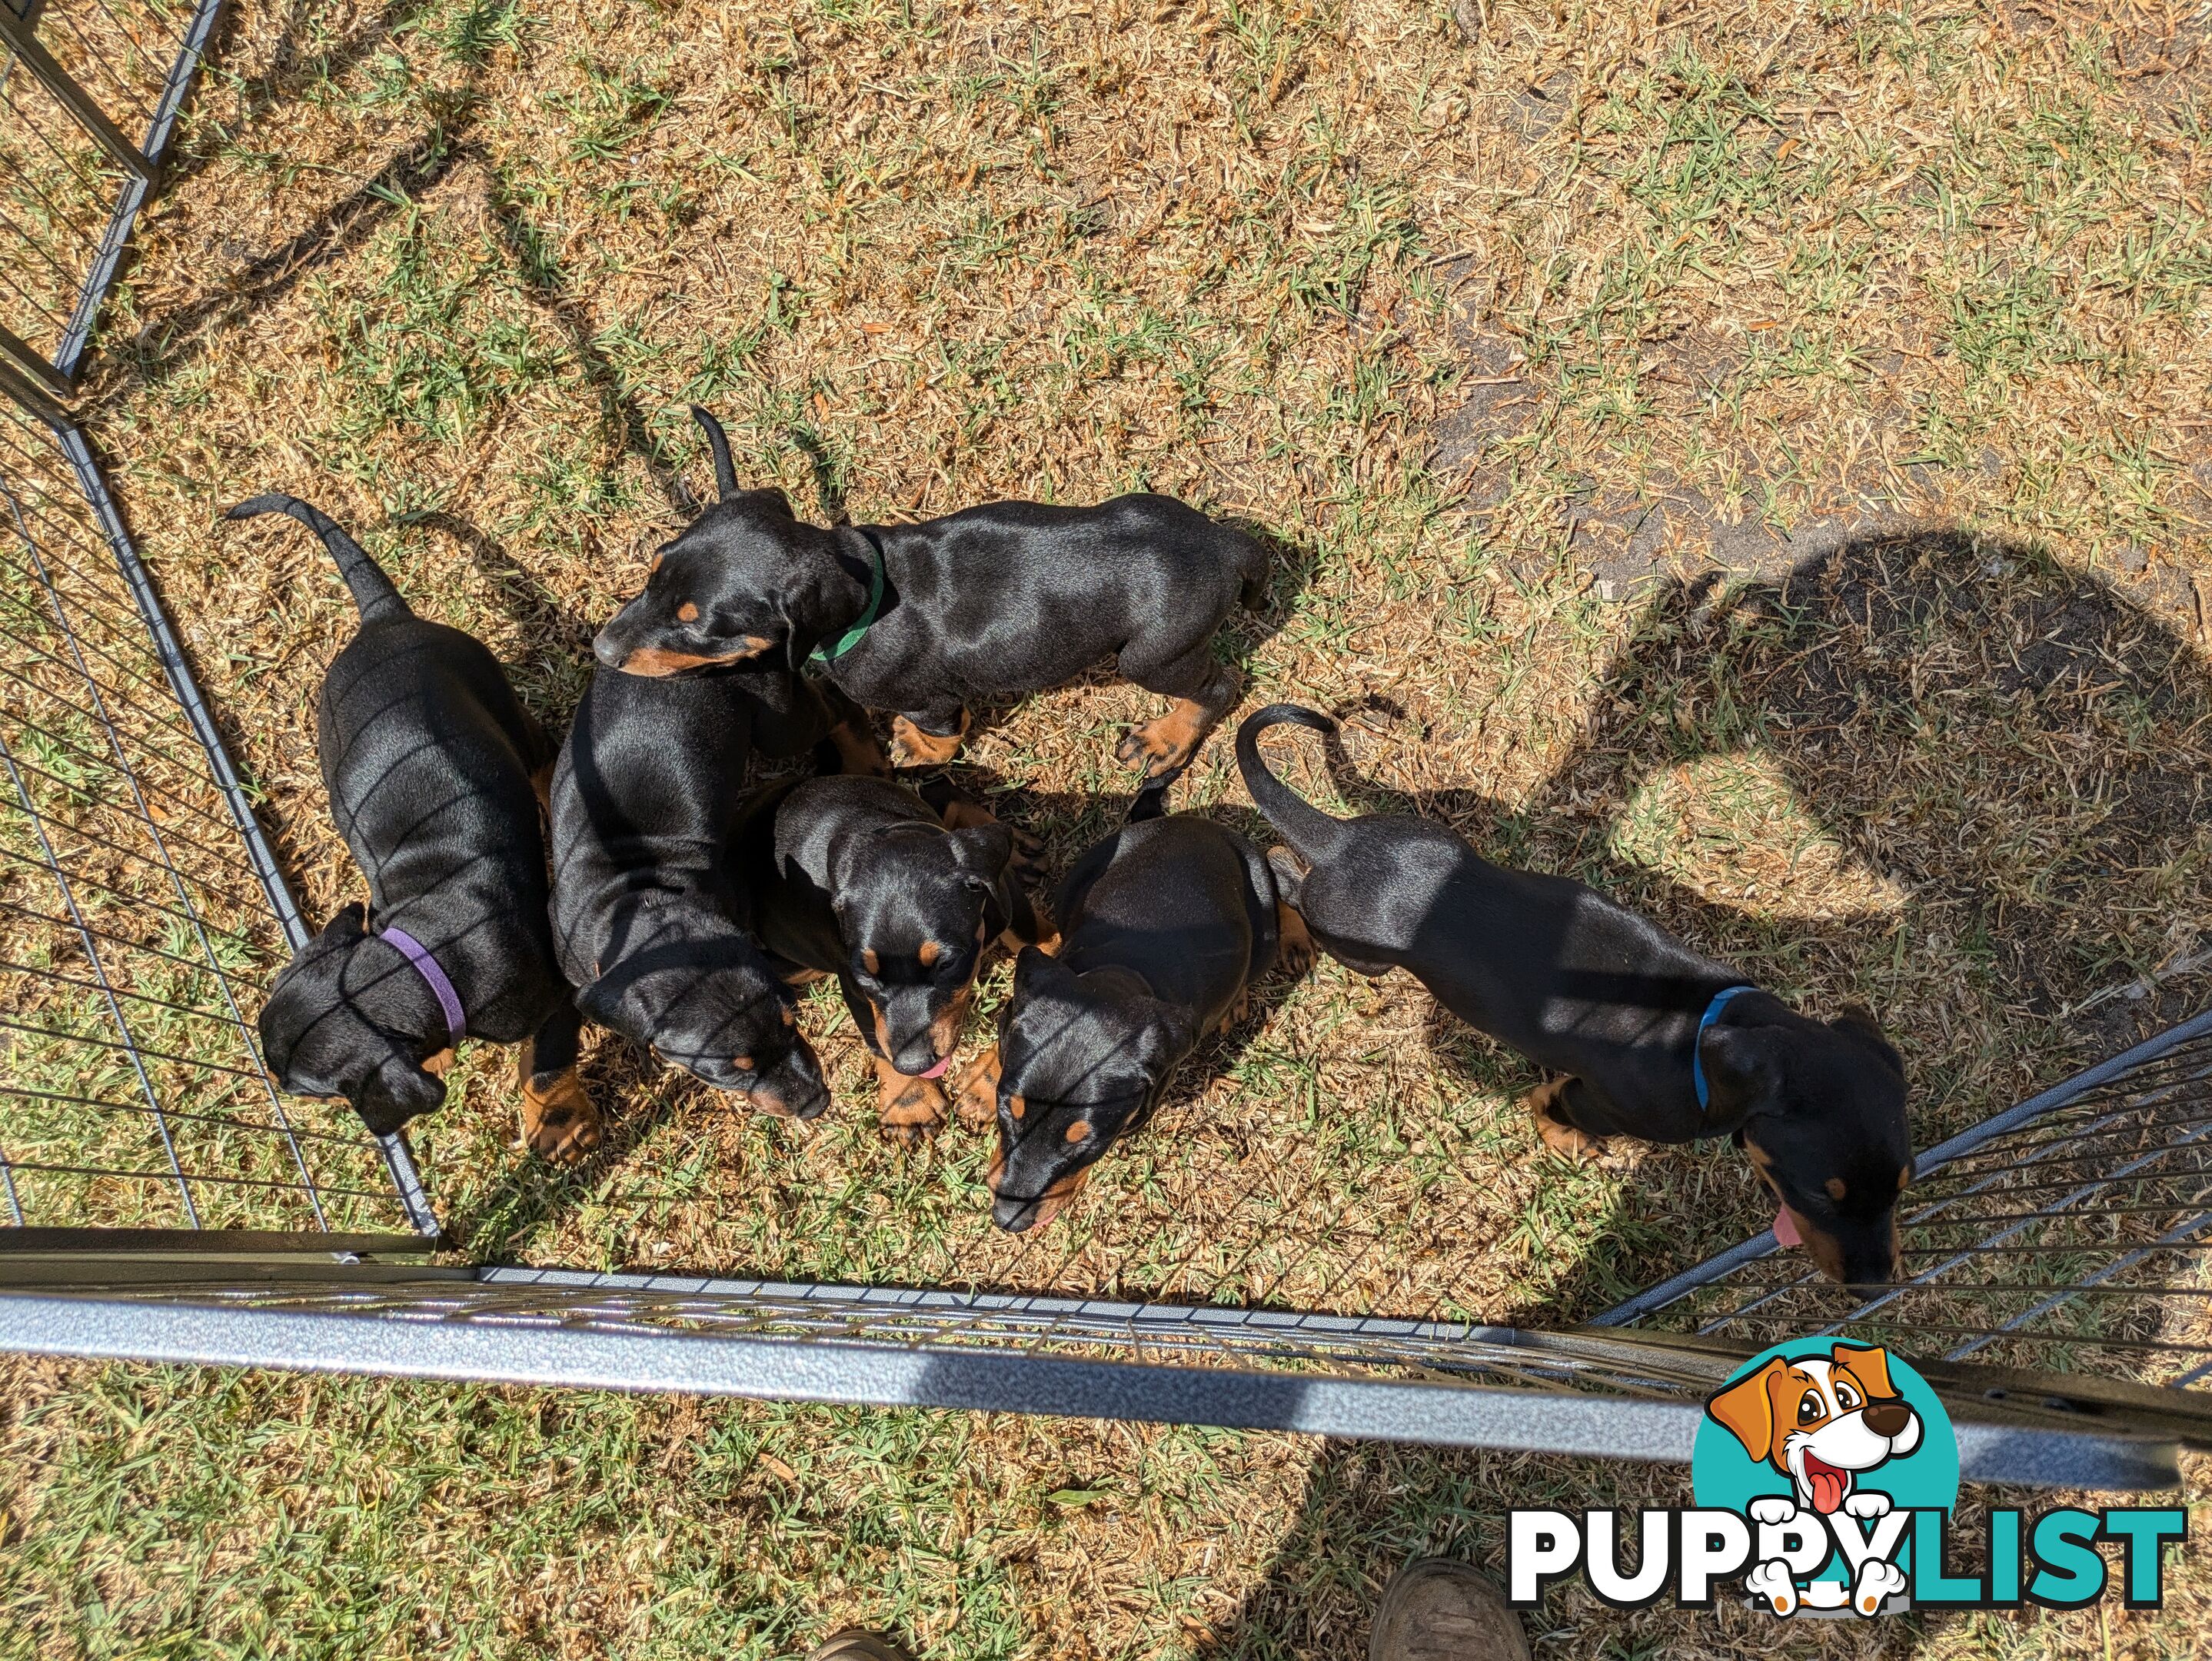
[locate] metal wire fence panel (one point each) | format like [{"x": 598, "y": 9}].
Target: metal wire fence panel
[
  {"x": 1490, "y": 1387},
  {"x": 2069, "y": 1235},
  {"x": 89, "y": 96},
  {"x": 141, "y": 915}
]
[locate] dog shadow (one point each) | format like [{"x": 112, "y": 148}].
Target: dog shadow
[{"x": 1835, "y": 674}]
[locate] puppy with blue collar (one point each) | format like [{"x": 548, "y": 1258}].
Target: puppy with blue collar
[{"x": 1650, "y": 1039}]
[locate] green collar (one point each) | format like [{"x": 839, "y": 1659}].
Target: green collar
[{"x": 851, "y": 637}]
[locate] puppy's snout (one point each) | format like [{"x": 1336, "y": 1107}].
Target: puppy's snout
[
  {"x": 1014, "y": 1216},
  {"x": 607, "y": 650},
  {"x": 1889, "y": 1419}
]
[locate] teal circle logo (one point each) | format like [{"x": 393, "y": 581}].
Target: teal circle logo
[{"x": 1818, "y": 1436}]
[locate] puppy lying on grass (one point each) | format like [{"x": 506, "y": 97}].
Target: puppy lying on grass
[
  {"x": 1652, "y": 1040},
  {"x": 1165, "y": 926}
]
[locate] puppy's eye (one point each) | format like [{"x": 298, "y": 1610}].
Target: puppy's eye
[
  {"x": 1846, "y": 1397},
  {"x": 1809, "y": 1408}
]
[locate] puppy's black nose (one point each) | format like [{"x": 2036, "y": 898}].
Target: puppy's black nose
[
  {"x": 1889, "y": 1419},
  {"x": 1014, "y": 1216},
  {"x": 607, "y": 651}
]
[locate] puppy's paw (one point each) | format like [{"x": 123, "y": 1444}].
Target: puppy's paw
[
  {"x": 1559, "y": 1136},
  {"x": 976, "y": 1099},
  {"x": 911, "y": 1110},
  {"x": 1865, "y": 1504},
  {"x": 1773, "y": 1508},
  {"x": 1166, "y": 743},
  {"x": 1296, "y": 953},
  {"x": 559, "y": 1122},
  {"x": 922, "y": 749}
]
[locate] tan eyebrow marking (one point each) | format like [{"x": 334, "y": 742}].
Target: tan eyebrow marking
[
  {"x": 687, "y": 612},
  {"x": 930, "y": 952},
  {"x": 871, "y": 962},
  {"x": 1078, "y": 1130},
  {"x": 1835, "y": 1187}
]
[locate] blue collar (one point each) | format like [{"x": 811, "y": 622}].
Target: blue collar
[{"x": 1697, "y": 1044}]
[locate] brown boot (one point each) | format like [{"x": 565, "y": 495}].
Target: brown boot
[
  {"x": 1439, "y": 1610},
  {"x": 854, "y": 1645}
]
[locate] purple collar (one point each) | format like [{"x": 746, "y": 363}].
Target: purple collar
[{"x": 456, "y": 1021}]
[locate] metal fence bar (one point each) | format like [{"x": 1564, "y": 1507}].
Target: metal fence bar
[
  {"x": 69, "y": 358},
  {"x": 1925, "y": 1164}
]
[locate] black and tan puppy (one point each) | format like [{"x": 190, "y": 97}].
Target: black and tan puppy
[
  {"x": 433, "y": 771},
  {"x": 861, "y": 879},
  {"x": 981, "y": 607},
  {"x": 1654, "y": 1041},
  {"x": 651, "y": 923},
  {"x": 1164, "y": 927}
]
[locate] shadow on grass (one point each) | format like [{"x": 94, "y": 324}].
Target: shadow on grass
[{"x": 2005, "y": 738}]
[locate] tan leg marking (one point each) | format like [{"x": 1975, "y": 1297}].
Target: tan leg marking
[
  {"x": 1238, "y": 1010},
  {"x": 1295, "y": 954},
  {"x": 1168, "y": 741},
  {"x": 960, "y": 814},
  {"x": 858, "y": 749},
  {"x": 559, "y": 1122},
  {"x": 978, "y": 1094},
  {"x": 928, "y": 749},
  {"x": 1559, "y": 1136},
  {"x": 909, "y": 1107}
]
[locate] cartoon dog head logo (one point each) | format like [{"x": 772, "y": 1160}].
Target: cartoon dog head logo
[
  {"x": 1826, "y": 1446},
  {"x": 1821, "y": 1421}
]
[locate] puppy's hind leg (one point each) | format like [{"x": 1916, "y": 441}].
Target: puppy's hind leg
[
  {"x": 1203, "y": 687},
  {"x": 1548, "y": 1102},
  {"x": 559, "y": 1122}
]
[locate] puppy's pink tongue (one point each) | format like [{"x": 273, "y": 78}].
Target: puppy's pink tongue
[
  {"x": 937, "y": 1072},
  {"x": 1785, "y": 1227}
]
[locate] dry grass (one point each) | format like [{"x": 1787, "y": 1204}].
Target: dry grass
[{"x": 1481, "y": 333}]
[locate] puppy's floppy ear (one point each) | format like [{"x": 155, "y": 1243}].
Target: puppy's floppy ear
[
  {"x": 1743, "y": 1062},
  {"x": 397, "y": 1092},
  {"x": 984, "y": 850},
  {"x": 1869, "y": 1366},
  {"x": 1036, "y": 971},
  {"x": 349, "y": 920},
  {"x": 1747, "y": 1412},
  {"x": 1856, "y": 1022}
]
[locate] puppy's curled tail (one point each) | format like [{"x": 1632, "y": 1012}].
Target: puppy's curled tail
[
  {"x": 1310, "y": 832},
  {"x": 372, "y": 591}
]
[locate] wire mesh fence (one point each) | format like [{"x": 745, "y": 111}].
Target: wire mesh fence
[
  {"x": 141, "y": 911},
  {"x": 2069, "y": 1235},
  {"x": 90, "y": 91},
  {"x": 160, "y": 1198}
]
